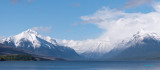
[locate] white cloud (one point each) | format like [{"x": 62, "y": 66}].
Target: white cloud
[
  {"x": 157, "y": 7},
  {"x": 30, "y": 1},
  {"x": 134, "y": 3},
  {"x": 14, "y": 1},
  {"x": 118, "y": 25},
  {"x": 42, "y": 29},
  {"x": 90, "y": 45},
  {"x": 124, "y": 24},
  {"x": 17, "y": 1},
  {"x": 76, "y": 4}
]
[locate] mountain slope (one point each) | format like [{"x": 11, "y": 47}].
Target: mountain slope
[
  {"x": 31, "y": 41},
  {"x": 12, "y": 51},
  {"x": 143, "y": 46}
]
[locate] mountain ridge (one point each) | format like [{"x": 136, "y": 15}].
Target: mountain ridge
[{"x": 32, "y": 41}]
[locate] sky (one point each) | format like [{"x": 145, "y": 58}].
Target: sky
[{"x": 67, "y": 19}]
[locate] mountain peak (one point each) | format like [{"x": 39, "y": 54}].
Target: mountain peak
[
  {"x": 31, "y": 37},
  {"x": 142, "y": 35},
  {"x": 141, "y": 32},
  {"x": 30, "y": 31}
]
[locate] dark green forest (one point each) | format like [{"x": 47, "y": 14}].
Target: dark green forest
[{"x": 17, "y": 58}]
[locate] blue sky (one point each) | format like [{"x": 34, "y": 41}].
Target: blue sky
[{"x": 60, "y": 16}]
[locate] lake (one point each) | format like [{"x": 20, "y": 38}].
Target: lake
[{"x": 77, "y": 65}]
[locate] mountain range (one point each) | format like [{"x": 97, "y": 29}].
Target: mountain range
[{"x": 142, "y": 46}]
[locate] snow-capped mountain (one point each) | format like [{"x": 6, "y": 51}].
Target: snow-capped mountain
[
  {"x": 90, "y": 49},
  {"x": 31, "y": 36},
  {"x": 142, "y": 46},
  {"x": 32, "y": 41},
  {"x": 142, "y": 35}
]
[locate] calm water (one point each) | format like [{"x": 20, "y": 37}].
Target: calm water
[{"x": 66, "y": 65}]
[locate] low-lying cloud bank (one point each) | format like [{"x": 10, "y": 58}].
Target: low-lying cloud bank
[{"x": 118, "y": 26}]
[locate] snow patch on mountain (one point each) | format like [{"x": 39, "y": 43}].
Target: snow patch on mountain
[
  {"x": 31, "y": 36},
  {"x": 140, "y": 36}
]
